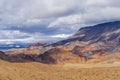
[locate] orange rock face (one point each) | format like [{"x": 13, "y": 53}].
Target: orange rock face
[
  {"x": 99, "y": 55},
  {"x": 117, "y": 56}
]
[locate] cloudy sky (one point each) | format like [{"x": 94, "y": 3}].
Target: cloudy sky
[{"x": 52, "y": 20}]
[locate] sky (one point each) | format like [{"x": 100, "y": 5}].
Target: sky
[{"x": 30, "y": 21}]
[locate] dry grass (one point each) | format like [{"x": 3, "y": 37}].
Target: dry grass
[{"x": 37, "y": 71}]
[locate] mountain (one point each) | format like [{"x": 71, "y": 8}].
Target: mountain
[
  {"x": 105, "y": 32},
  {"x": 98, "y": 43},
  {"x": 14, "y": 46},
  {"x": 60, "y": 55},
  {"x": 92, "y": 44},
  {"x": 38, "y": 44}
]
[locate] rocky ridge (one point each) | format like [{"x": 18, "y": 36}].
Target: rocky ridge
[{"x": 93, "y": 44}]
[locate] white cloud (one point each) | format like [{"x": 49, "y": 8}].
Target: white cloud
[
  {"x": 18, "y": 18},
  {"x": 95, "y": 12},
  {"x": 12, "y": 34},
  {"x": 17, "y": 12},
  {"x": 15, "y": 36},
  {"x": 23, "y": 11},
  {"x": 61, "y": 36}
]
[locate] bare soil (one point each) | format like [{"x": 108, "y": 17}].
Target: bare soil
[{"x": 38, "y": 71}]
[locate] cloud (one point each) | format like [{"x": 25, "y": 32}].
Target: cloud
[
  {"x": 37, "y": 20},
  {"x": 16, "y": 36},
  {"x": 61, "y": 36}
]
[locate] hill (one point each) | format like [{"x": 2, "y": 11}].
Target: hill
[
  {"x": 105, "y": 32},
  {"x": 92, "y": 44}
]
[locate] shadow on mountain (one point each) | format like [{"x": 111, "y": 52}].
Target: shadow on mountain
[
  {"x": 19, "y": 58},
  {"x": 52, "y": 56}
]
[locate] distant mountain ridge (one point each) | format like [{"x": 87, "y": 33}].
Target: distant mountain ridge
[
  {"x": 105, "y": 32},
  {"x": 14, "y": 46},
  {"x": 92, "y": 44}
]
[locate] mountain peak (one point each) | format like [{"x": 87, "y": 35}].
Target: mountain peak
[{"x": 104, "y": 32}]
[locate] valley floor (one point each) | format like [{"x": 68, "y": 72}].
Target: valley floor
[{"x": 37, "y": 71}]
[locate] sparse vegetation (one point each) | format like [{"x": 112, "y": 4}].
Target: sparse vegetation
[{"x": 38, "y": 71}]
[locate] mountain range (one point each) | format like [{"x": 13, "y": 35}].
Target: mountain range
[
  {"x": 93, "y": 44},
  {"x": 105, "y": 32}
]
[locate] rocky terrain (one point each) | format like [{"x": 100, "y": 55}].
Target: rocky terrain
[
  {"x": 99, "y": 43},
  {"x": 107, "y": 33},
  {"x": 92, "y": 53},
  {"x": 93, "y": 44}
]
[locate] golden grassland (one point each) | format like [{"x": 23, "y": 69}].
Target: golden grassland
[{"x": 38, "y": 71}]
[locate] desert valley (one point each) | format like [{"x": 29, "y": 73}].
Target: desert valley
[{"x": 92, "y": 53}]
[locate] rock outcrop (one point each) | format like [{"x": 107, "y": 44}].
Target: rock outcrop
[{"x": 59, "y": 55}]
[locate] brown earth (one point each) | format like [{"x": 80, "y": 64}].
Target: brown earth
[
  {"x": 31, "y": 50},
  {"x": 37, "y": 71},
  {"x": 60, "y": 55}
]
